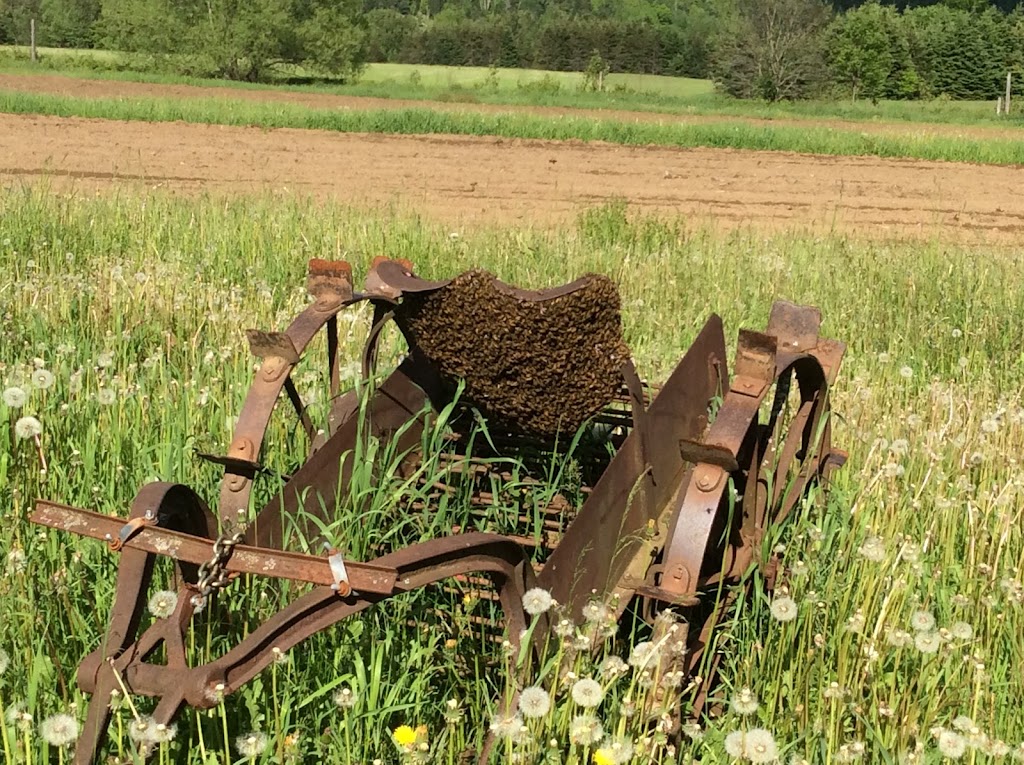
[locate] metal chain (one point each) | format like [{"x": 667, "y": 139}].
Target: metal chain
[{"x": 212, "y": 575}]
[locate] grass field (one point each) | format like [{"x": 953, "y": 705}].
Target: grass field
[
  {"x": 421, "y": 121},
  {"x": 906, "y": 646},
  {"x": 670, "y": 95}
]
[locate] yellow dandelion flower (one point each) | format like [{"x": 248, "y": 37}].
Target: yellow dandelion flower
[
  {"x": 404, "y": 735},
  {"x": 604, "y": 756}
]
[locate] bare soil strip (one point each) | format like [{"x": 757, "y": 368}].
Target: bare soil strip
[
  {"x": 462, "y": 180},
  {"x": 86, "y": 88}
]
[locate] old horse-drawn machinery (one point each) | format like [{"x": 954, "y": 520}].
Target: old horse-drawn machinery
[{"x": 697, "y": 470}]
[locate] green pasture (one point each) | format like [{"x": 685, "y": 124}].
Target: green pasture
[
  {"x": 420, "y": 121},
  {"x": 123, "y": 337},
  {"x": 516, "y": 87}
]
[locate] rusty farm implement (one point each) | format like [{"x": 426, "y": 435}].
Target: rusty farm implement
[{"x": 696, "y": 471}]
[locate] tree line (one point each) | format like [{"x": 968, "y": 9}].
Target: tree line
[{"x": 772, "y": 49}]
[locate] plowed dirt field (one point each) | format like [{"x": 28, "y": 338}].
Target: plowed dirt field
[{"x": 465, "y": 180}]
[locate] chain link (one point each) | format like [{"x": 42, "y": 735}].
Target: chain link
[{"x": 212, "y": 575}]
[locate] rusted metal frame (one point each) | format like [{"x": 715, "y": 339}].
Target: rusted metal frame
[
  {"x": 333, "y": 367},
  {"x": 259, "y": 404},
  {"x": 173, "y": 506},
  {"x": 417, "y": 566},
  {"x": 382, "y": 314},
  {"x": 300, "y": 408},
  {"x": 192, "y": 549},
  {"x": 324, "y": 476},
  {"x": 607, "y": 536}
]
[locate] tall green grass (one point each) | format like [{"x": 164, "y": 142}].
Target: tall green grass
[
  {"x": 526, "y": 87},
  {"x": 734, "y": 135},
  {"x": 137, "y": 306}
]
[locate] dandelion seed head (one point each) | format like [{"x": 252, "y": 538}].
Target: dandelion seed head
[
  {"x": 5, "y": 662},
  {"x": 59, "y": 730},
  {"x": 989, "y": 425},
  {"x": 961, "y": 630},
  {"x": 585, "y": 730},
  {"x": 43, "y": 379},
  {"x": 612, "y": 667},
  {"x": 140, "y": 729},
  {"x": 922, "y": 621},
  {"x": 16, "y": 561},
  {"x": 963, "y": 723},
  {"x": 506, "y": 726},
  {"x": 799, "y": 568},
  {"x": 692, "y": 731},
  {"x": 735, "y": 746},
  {"x": 744, "y": 702},
  {"x": 596, "y": 612},
  {"x": 873, "y": 548},
  {"x": 643, "y": 653},
  {"x": 927, "y": 642},
  {"x": 27, "y": 427},
  {"x": 345, "y": 698},
  {"x": 587, "y": 693},
  {"x": 783, "y": 608},
  {"x": 163, "y": 603},
  {"x": 906, "y": 372},
  {"x": 951, "y": 744},
  {"x": 106, "y": 396},
  {"x": 14, "y": 397},
  {"x": 105, "y": 359},
  {"x": 537, "y": 601},
  {"x": 760, "y": 746},
  {"x": 163, "y": 734},
  {"x": 251, "y": 745},
  {"x": 534, "y": 701}
]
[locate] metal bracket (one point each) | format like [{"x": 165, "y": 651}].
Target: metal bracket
[
  {"x": 795, "y": 326},
  {"x": 330, "y": 282},
  {"x": 341, "y": 583},
  {"x": 130, "y": 529}
]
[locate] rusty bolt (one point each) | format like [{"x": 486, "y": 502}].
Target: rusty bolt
[{"x": 708, "y": 479}]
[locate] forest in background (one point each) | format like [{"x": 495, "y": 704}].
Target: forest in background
[{"x": 767, "y": 49}]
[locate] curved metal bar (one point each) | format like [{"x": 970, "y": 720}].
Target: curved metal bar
[
  {"x": 259, "y": 404},
  {"x": 175, "y": 507}
]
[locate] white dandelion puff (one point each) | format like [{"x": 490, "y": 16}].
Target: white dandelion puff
[
  {"x": 963, "y": 723},
  {"x": 612, "y": 667},
  {"x": 951, "y": 744},
  {"x": 585, "y": 730},
  {"x": 783, "y": 608},
  {"x": 507, "y": 726},
  {"x": 345, "y": 698},
  {"x": 28, "y": 427},
  {"x": 162, "y": 603},
  {"x": 537, "y": 601},
  {"x": 43, "y": 379},
  {"x": 961, "y": 630},
  {"x": 14, "y": 397},
  {"x": 744, "y": 702},
  {"x": 534, "y": 701},
  {"x": 105, "y": 359},
  {"x": 873, "y": 548},
  {"x": 906, "y": 372},
  {"x": 251, "y": 745},
  {"x": 59, "y": 730},
  {"x": 643, "y": 653},
  {"x": 587, "y": 692},
  {"x": 735, "y": 746},
  {"x": 927, "y": 642},
  {"x": 140, "y": 730},
  {"x": 106, "y": 396},
  {"x": 163, "y": 734},
  {"x": 760, "y": 746},
  {"x": 5, "y": 662},
  {"x": 922, "y": 621}
]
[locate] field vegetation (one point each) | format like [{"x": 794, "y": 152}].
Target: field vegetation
[
  {"x": 122, "y": 354},
  {"x": 457, "y": 85},
  {"x": 421, "y": 121}
]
